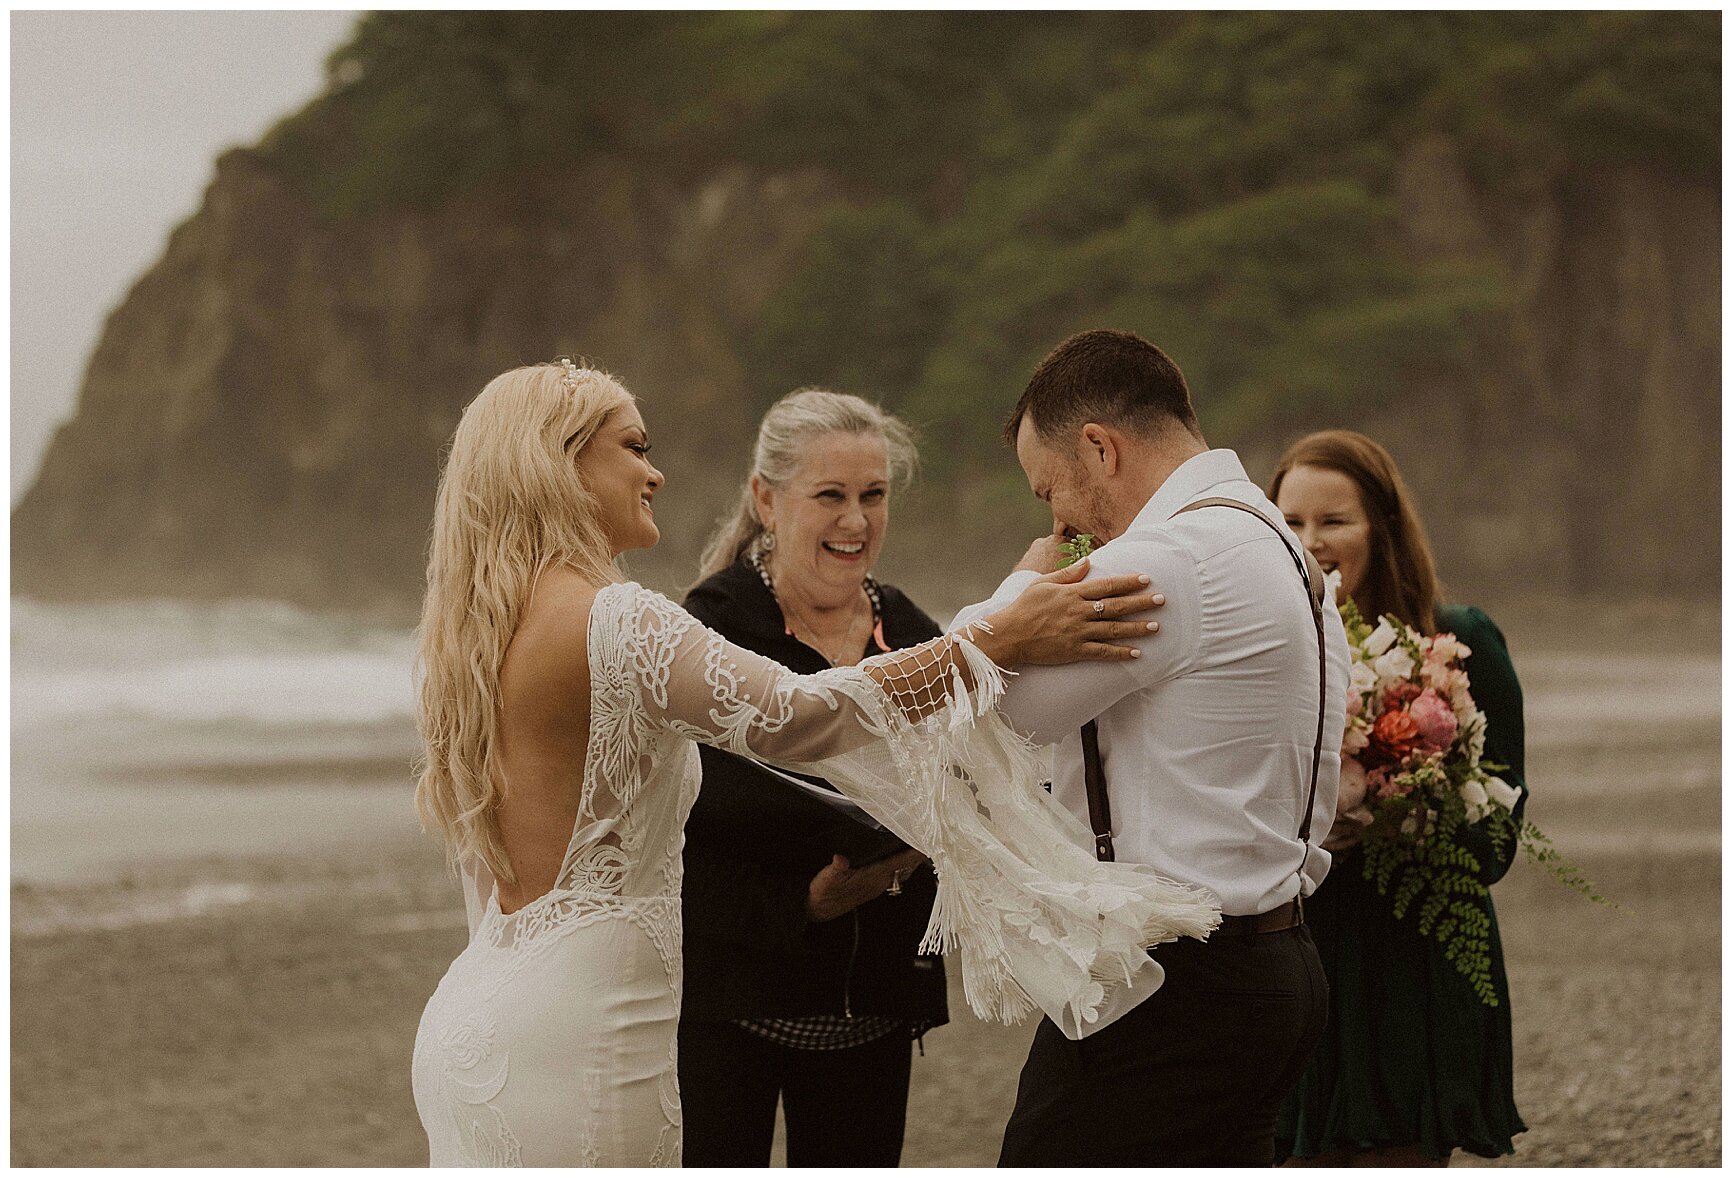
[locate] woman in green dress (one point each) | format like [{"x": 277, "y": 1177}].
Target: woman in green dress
[{"x": 1413, "y": 1065}]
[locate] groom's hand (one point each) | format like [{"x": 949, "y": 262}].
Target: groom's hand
[{"x": 1042, "y": 556}]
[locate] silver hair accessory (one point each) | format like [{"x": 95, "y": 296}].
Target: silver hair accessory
[{"x": 569, "y": 380}]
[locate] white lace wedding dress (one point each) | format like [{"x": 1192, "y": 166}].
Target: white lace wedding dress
[{"x": 551, "y": 1039}]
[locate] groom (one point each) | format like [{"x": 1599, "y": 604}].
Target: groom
[{"x": 1205, "y": 751}]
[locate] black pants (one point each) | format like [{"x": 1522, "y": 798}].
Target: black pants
[
  {"x": 841, "y": 1108},
  {"x": 1194, "y": 1076}
]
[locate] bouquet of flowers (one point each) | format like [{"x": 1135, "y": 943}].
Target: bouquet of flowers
[{"x": 1412, "y": 772}]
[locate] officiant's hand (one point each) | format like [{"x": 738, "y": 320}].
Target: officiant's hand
[{"x": 840, "y": 888}]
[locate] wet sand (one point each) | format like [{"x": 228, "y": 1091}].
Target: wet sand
[{"x": 260, "y": 1011}]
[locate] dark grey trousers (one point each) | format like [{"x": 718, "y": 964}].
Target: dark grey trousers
[
  {"x": 841, "y": 1108},
  {"x": 1194, "y": 1076}
]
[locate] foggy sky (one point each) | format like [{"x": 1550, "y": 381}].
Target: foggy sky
[{"x": 117, "y": 118}]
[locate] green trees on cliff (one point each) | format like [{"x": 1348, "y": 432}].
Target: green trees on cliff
[{"x": 1222, "y": 182}]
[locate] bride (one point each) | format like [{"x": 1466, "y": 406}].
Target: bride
[{"x": 559, "y": 706}]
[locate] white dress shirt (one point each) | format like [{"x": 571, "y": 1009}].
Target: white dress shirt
[{"x": 1205, "y": 739}]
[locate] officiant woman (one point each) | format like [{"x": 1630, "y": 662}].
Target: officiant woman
[{"x": 802, "y": 979}]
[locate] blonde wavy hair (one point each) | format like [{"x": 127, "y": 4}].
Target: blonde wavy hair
[{"x": 511, "y": 505}]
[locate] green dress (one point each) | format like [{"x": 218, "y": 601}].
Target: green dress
[{"x": 1411, "y": 1055}]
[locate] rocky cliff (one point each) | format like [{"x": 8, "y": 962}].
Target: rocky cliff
[{"x": 265, "y": 412}]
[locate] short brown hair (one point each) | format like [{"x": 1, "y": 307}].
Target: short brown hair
[
  {"x": 1113, "y": 377},
  {"x": 1401, "y": 578}
]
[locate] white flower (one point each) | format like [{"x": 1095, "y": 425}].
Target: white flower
[
  {"x": 1448, "y": 648},
  {"x": 1473, "y": 793},
  {"x": 1394, "y": 665},
  {"x": 1472, "y": 737},
  {"x": 1437, "y": 677},
  {"x": 1361, "y": 678},
  {"x": 1381, "y": 639},
  {"x": 1502, "y": 792}
]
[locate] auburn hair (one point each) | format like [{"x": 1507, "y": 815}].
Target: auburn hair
[{"x": 1401, "y": 576}]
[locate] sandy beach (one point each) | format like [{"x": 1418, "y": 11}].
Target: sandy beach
[{"x": 259, "y": 1010}]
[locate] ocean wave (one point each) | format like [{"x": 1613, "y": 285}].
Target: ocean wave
[{"x": 179, "y": 663}]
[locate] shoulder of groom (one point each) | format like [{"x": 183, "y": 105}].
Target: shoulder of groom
[{"x": 1144, "y": 549}]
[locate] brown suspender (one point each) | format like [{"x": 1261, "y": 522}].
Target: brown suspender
[
  {"x": 1094, "y": 778},
  {"x": 1100, "y": 813}
]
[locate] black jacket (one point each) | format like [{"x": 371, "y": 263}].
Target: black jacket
[{"x": 750, "y": 952}]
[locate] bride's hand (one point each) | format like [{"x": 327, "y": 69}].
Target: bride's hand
[{"x": 1062, "y": 619}]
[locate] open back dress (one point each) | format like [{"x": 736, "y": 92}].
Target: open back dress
[{"x": 551, "y": 1039}]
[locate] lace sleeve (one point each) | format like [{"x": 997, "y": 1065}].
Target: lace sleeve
[{"x": 913, "y": 738}]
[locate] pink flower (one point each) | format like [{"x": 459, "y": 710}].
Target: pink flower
[
  {"x": 1384, "y": 782},
  {"x": 1377, "y": 780},
  {"x": 1435, "y": 720}
]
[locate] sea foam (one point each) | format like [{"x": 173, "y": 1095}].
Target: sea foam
[{"x": 181, "y": 663}]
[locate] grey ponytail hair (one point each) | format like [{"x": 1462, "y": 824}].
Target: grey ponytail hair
[{"x": 783, "y": 437}]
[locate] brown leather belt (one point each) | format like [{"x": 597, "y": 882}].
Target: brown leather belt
[{"x": 1288, "y": 915}]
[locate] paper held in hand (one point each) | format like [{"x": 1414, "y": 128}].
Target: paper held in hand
[{"x": 829, "y": 797}]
